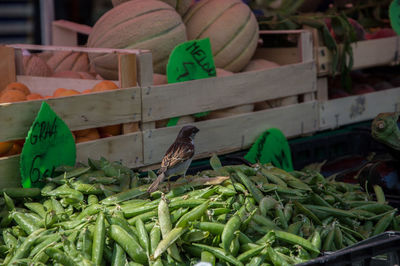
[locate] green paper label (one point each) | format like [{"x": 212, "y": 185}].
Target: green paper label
[
  {"x": 271, "y": 147},
  {"x": 394, "y": 15},
  {"x": 191, "y": 60},
  {"x": 48, "y": 145}
]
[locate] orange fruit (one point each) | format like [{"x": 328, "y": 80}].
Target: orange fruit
[
  {"x": 104, "y": 85},
  {"x": 47, "y": 97},
  {"x": 92, "y": 135},
  {"x": 81, "y": 133},
  {"x": 86, "y": 91},
  {"x": 62, "y": 92},
  {"x": 34, "y": 96},
  {"x": 10, "y": 96},
  {"x": 58, "y": 91},
  {"x": 16, "y": 149},
  {"x": 109, "y": 131},
  {"x": 5, "y": 147},
  {"x": 19, "y": 87}
]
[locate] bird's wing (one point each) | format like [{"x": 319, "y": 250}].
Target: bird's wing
[{"x": 176, "y": 154}]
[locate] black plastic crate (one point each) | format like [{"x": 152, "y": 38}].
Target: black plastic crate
[{"x": 382, "y": 250}]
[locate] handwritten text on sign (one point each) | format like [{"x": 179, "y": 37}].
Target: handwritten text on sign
[
  {"x": 191, "y": 60},
  {"x": 48, "y": 145}
]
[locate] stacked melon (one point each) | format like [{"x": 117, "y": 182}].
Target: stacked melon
[
  {"x": 231, "y": 27},
  {"x": 137, "y": 24}
]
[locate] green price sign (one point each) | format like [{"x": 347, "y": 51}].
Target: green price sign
[
  {"x": 394, "y": 15},
  {"x": 48, "y": 145},
  {"x": 189, "y": 61}
]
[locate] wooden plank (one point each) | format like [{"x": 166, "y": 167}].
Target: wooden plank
[
  {"x": 306, "y": 46},
  {"x": 322, "y": 89},
  {"x": 47, "y": 85},
  {"x": 75, "y": 49},
  {"x": 7, "y": 66},
  {"x": 353, "y": 109},
  {"x": 124, "y": 148},
  {"x": 233, "y": 133},
  {"x": 127, "y": 72},
  {"x": 367, "y": 53},
  {"x": 145, "y": 69},
  {"x": 65, "y": 32},
  {"x": 78, "y": 112},
  {"x": 72, "y": 26},
  {"x": 191, "y": 97},
  {"x": 9, "y": 172}
]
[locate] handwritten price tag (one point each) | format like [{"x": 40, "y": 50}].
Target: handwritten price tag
[
  {"x": 191, "y": 60},
  {"x": 394, "y": 15},
  {"x": 48, "y": 145}
]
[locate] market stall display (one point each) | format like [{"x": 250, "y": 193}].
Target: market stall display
[
  {"x": 102, "y": 212},
  {"x": 293, "y": 67}
]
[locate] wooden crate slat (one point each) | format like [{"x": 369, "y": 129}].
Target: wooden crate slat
[
  {"x": 78, "y": 112},
  {"x": 9, "y": 172},
  {"x": 160, "y": 102},
  {"x": 124, "y": 148},
  {"x": 47, "y": 85},
  {"x": 234, "y": 133},
  {"x": 366, "y": 54},
  {"x": 7, "y": 66},
  {"x": 353, "y": 109}
]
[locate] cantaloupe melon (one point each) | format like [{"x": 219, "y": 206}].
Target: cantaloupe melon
[
  {"x": 136, "y": 24},
  {"x": 159, "y": 79},
  {"x": 35, "y": 66},
  {"x": 180, "y": 5},
  {"x": 73, "y": 75},
  {"x": 258, "y": 64},
  {"x": 68, "y": 60},
  {"x": 231, "y": 27}
]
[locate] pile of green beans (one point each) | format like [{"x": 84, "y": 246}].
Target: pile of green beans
[{"x": 101, "y": 214}]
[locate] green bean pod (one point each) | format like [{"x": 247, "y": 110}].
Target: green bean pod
[
  {"x": 26, "y": 223},
  {"x": 208, "y": 257},
  {"x": 192, "y": 215},
  {"x": 254, "y": 191},
  {"x": 383, "y": 223},
  {"x": 23, "y": 250},
  {"x": 131, "y": 247},
  {"x": 230, "y": 228},
  {"x": 275, "y": 257},
  {"x": 168, "y": 240},
  {"x": 220, "y": 254},
  {"x": 98, "y": 239},
  {"x": 59, "y": 256},
  {"x": 247, "y": 255},
  {"x": 119, "y": 256}
]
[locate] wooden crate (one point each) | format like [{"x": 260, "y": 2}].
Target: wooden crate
[
  {"x": 93, "y": 110},
  {"x": 368, "y": 53},
  {"x": 348, "y": 110},
  {"x": 236, "y": 132}
]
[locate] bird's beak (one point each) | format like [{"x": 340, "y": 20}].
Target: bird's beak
[{"x": 195, "y": 130}]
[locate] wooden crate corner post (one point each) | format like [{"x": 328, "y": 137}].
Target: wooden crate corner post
[{"x": 7, "y": 66}]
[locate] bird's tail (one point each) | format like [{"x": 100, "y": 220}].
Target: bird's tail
[{"x": 154, "y": 186}]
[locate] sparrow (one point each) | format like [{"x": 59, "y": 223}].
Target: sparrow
[{"x": 178, "y": 157}]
